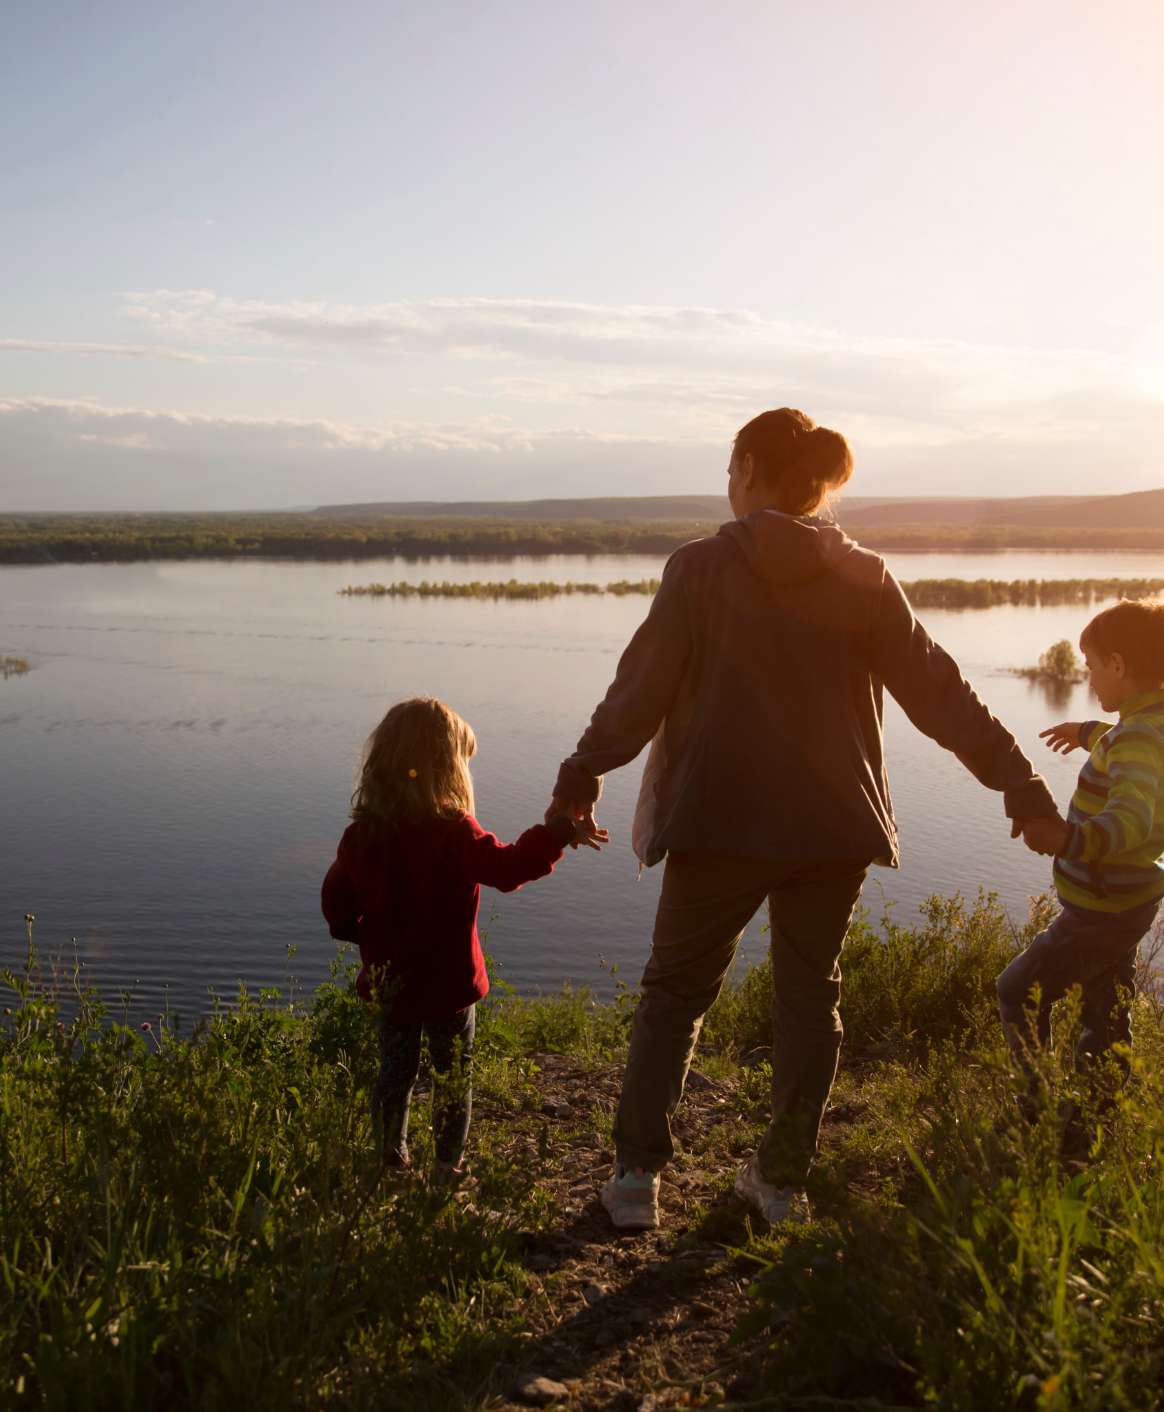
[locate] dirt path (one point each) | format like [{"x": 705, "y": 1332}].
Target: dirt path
[{"x": 634, "y": 1322}]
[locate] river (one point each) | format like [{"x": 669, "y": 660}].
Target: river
[{"x": 177, "y": 763}]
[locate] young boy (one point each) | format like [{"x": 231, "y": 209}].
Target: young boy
[{"x": 1108, "y": 869}]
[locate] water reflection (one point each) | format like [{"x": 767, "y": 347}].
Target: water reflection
[
  {"x": 177, "y": 770},
  {"x": 1056, "y": 694}
]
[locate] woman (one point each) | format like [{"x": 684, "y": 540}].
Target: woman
[{"x": 763, "y": 658}]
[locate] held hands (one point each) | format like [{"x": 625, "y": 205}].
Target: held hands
[
  {"x": 1046, "y": 836},
  {"x": 1064, "y": 737},
  {"x": 586, "y": 830}
]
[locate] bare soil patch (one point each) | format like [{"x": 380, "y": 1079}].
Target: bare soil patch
[{"x": 633, "y": 1321}]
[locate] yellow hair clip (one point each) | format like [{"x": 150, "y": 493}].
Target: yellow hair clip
[{"x": 412, "y": 774}]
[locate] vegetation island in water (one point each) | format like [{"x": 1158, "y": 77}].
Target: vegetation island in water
[{"x": 922, "y": 593}]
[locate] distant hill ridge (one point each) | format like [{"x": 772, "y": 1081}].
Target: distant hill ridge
[
  {"x": 1141, "y": 510},
  {"x": 610, "y": 507}
]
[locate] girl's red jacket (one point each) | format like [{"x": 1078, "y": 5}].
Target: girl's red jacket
[{"x": 409, "y": 900}]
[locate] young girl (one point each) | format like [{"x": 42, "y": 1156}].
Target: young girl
[{"x": 405, "y": 886}]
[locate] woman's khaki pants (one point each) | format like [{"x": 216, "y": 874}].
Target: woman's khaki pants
[{"x": 705, "y": 903}]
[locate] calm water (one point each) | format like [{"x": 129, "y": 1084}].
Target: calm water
[{"x": 177, "y": 763}]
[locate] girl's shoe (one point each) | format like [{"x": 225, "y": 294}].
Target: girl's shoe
[
  {"x": 774, "y": 1203},
  {"x": 632, "y": 1198}
]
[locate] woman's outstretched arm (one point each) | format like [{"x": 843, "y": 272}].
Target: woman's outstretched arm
[
  {"x": 645, "y": 684},
  {"x": 929, "y": 687}
]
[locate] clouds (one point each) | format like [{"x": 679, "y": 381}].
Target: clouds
[
  {"x": 476, "y": 328},
  {"x": 101, "y": 350},
  {"x": 657, "y": 359},
  {"x": 177, "y": 432},
  {"x": 60, "y": 454},
  {"x": 453, "y": 398}
]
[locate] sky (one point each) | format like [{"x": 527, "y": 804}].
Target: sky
[{"x": 265, "y": 255}]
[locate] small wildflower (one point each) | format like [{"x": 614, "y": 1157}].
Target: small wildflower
[
  {"x": 8, "y": 1009},
  {"x": 29, "y": 917},
  {"x": 60, "y": 1024},
  {"x": 145, "y": 1024}
]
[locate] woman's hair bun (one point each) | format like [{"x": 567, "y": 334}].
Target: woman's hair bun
[{"x": 803, "y": 461}]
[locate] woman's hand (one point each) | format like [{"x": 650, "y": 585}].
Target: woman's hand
[
  {"x": 1046, "y": 836},
  {"x": 1064, "y": 737},
  {"x": 586, "y": 830}
]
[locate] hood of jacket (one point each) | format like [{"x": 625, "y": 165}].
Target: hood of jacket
[{"x": 787, "y": 549}]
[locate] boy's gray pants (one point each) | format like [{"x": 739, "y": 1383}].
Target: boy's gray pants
[
  {"x": 705, "y": 903},
  {"x": 1094, "y": 950}
]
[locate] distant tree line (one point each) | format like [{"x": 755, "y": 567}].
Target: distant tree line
[
  {"x": 47, "y": 539},
  {"x": 101, "y": 539}
]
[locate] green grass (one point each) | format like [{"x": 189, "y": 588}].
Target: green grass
[{"x": 193, "y": 1221}]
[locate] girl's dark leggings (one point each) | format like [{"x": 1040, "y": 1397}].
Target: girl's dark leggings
[{"x": 450, "y": 1048}]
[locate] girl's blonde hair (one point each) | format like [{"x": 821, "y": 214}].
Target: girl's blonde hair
[{"x": 416, "y": 766}]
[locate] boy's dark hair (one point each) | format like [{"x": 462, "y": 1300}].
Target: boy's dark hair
[{"x": 1136, "y": 631}]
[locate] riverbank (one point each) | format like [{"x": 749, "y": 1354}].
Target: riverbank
[
  {"x": 83, "y": 539},
  {"x": 194, "y": 1220}
]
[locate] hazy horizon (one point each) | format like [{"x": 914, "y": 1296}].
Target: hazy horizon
[
  {"x": 318, "y": 506},
  {"x": 282, "y": 256}
]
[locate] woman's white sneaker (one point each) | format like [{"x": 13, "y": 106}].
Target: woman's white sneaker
[
  {"x": 774, "y": 1203},
  {"x": 631, "y": 1195}
]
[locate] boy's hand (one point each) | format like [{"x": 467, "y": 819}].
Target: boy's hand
[
  {"x": 1064, "y": 737},
  {"x": 1046, "y": 836}
]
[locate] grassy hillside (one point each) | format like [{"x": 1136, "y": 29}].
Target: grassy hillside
[{"x": 195, "y": 1220}]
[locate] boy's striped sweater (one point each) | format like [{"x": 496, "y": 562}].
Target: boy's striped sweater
[{"x": 1112, "y": 861}]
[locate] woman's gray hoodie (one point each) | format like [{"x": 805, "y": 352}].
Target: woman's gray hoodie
[{"x": 765, "y": 653}]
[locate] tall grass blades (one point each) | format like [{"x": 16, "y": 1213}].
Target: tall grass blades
[
  {"x": 969, "y": 1258},
  {"x": 199, "y": 1221}
]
